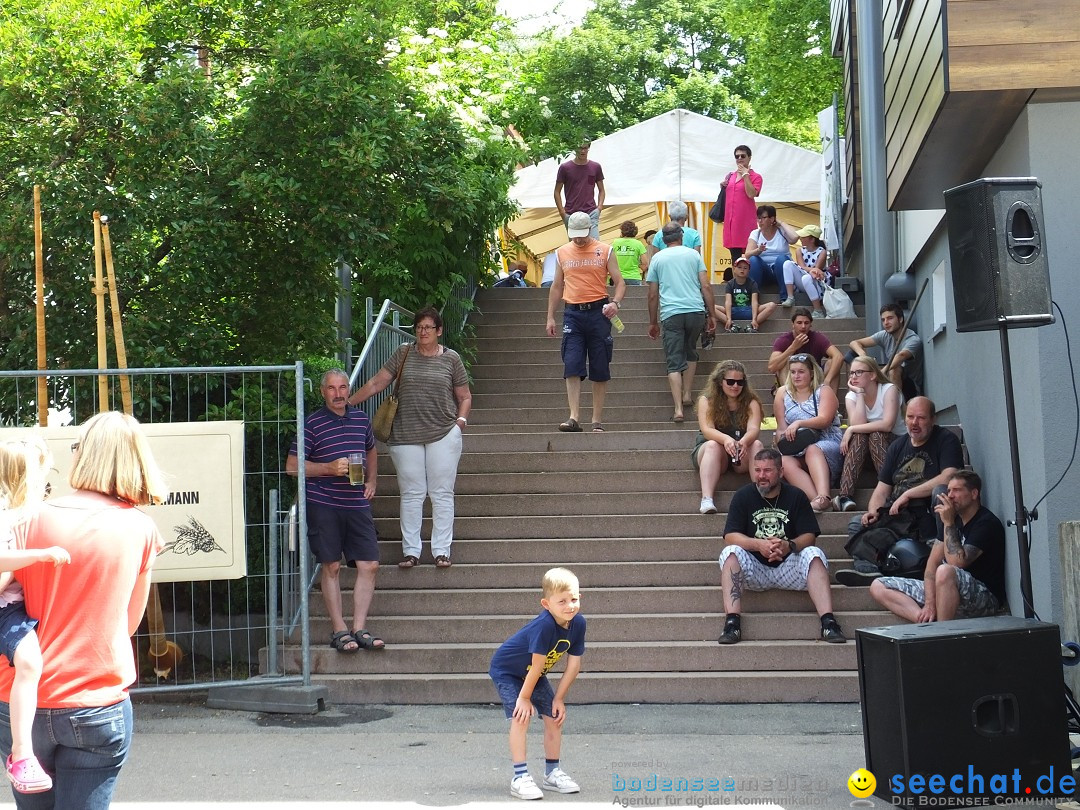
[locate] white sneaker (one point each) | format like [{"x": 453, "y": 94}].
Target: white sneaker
[
  {"x": 523, "y": 787},
  {"x": 788, "y": 302},
  {"x": 707, "y": 507},
  {"x": 560, "y": 781}
]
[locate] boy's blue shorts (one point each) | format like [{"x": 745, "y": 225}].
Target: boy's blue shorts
[
  {"x": 742, "y": 314},
  {"x": 509, "y": 687}
]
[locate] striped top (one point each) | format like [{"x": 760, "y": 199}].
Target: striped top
[
  {"x": 328, "y": 437},
  {"x": 427, "y": 408}
]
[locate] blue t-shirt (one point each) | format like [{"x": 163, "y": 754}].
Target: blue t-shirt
[
  {"x": 542, "y": 636},
  {"x": 328, "y": 437},
  {"x": 690, "y": 238},
  {"x": 677, "y": 273}
]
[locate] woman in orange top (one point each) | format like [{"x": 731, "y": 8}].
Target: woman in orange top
[{"x": 87, "y": 612}]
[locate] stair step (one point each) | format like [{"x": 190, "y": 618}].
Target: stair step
[
  {"x": 787, "y": 686},
  {"x": 539, "y": 527},
  {"x": 424, "y": 599},
  {"x": 632, "y": 627}
]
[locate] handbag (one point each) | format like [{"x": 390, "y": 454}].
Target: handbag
[
  {"x": 383, "y": 422},
  {"x": 804, "y": 437},
  {"x": 716, "y": 213}
]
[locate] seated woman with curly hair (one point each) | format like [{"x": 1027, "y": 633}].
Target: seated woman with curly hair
[{"x": 729, "y": 418}]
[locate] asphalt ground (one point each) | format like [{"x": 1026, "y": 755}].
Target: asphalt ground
[{"x": 788, "y": 756}]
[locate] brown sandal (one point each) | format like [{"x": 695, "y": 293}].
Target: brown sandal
[
  {"x": 442, "y": 561},
  {"x": 408, "y": 562}
]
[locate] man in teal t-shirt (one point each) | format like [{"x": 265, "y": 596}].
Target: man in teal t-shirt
[{"x": 681, "y": 298}]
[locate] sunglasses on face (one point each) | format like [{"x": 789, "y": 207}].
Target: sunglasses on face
[{"x": 738, "y": 383}]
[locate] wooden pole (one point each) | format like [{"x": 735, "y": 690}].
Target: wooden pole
[
  {"x": 39, "y": 272},
  {"x": 118, "y": 327},
  {"x": 99, "y": 294},
  {"x": 165, "y": 655}
]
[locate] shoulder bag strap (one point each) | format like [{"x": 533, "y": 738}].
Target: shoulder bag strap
[{"x": 401, "y": 368}]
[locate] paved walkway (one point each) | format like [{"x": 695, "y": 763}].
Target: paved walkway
[{"x": 796, "y": 755}]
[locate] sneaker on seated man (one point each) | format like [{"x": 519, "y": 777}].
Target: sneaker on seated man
[
  {"x": 915, "y": 466},
  {"x": 771, "y": 536},
  {"x": 965, "y": 575}
]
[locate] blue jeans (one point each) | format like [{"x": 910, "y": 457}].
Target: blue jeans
[
  {"x": 83, "y": 749},
  {"x": 768, "y": 266}
]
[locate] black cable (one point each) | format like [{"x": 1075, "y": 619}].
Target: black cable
[{"x": 1076, "y": 401}]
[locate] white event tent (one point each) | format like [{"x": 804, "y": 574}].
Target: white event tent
[{"x": 679, "y": 155}]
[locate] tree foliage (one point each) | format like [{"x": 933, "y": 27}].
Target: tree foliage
[
  {"x": 231, "y": 192},
  {"x": 762, "y": 66}
]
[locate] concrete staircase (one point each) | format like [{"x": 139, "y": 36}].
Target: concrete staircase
[{"x": 620, "y": 509}]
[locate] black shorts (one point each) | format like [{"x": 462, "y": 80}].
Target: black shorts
[{"x": 334, "y": 533}]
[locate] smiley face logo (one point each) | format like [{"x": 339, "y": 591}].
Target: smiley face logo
[{"x": 861, "y": 783}]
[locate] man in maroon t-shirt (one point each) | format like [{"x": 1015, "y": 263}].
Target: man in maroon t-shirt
[
  {"x": 803, "y": 338},
  {"x": 583, "y": 180}
]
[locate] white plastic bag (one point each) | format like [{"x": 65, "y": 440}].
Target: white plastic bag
[{"x": 837, "y": 304}]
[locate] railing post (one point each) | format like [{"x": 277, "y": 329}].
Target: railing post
[
  {"x": 272, "y": 588},
  {"x": 301, "y": 498}
]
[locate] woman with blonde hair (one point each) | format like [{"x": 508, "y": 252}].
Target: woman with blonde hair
[
  {"x": 729, "y": 421},
  {"x": 87, "y": 611},
  {"x": 874, "y": 420},
  {"x": 808, "y": 430}
]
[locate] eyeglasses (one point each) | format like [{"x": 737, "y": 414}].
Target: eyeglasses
[
  {"x": 738, "y": 383},
  {"x": 858, "y": 372},
  {"x": 799, "y": 358},
  {"x": 426, "y": 328}
]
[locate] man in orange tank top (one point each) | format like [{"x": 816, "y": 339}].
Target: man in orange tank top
[{"x": 581, "y": 273}]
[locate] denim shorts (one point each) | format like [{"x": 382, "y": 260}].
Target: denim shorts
[
  {"x": 509, "y": 687},
  {"x": 742, "y": 313},
  {"x": 587, "y": 337},
  {"x": 15, "y": 625}
]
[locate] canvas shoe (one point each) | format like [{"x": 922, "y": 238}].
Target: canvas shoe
[
  {"x": 831, "y": 632},
  {"x": 707, "y": 507},
  {"x": 27, "y": 776},
  {"x": 523, "y": 787},
  {"x": 560, "y": 781},
  {"x": 788, "y": 302},
  {"x": 842, "y": 503},
  {"x": 732, "y": 631}
]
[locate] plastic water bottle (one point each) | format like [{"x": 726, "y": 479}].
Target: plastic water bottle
[{"x": 616, "y": 321}]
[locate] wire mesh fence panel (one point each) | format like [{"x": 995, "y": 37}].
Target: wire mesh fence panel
[{"x": 220, "y": 631}]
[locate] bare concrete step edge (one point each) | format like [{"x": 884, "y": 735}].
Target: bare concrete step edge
[
  {"x": 629, "y": 627},
  {"x": 634, "y": 687}
]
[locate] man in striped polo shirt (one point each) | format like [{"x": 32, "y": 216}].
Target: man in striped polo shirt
[{"x": 339, "y": 518}]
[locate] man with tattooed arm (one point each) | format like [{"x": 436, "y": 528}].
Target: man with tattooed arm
[
  {"x": 771, "y": 536},
  {"x": 965, "y": 575}
]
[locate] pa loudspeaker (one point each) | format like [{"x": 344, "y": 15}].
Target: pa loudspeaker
[
  {"x": 974, "y": 698},
  {"x": 1000, "y": 272}
]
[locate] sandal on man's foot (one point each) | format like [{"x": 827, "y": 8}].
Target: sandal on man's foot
[
  {"x": 571, "y": 425},
  {"x": 344, "y": 642},
  {"x": 409, "y": 562},
  {"x": 597, "y": 428},
  {"x": 368, "y": 641},
  {"x": 442, "y": 561}
]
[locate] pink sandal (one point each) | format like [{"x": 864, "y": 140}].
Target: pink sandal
[{"x": 27, "y": 776}]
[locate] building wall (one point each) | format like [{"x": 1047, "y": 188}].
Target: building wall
[{"x": 964, "y": 371}]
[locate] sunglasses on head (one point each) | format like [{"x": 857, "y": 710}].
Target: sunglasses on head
[
  {"x": 799, "y": 358},
  {"x": 734, "y": 382}
]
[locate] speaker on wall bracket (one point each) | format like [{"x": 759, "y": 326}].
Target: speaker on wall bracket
[{"x": 997, "y": 252}]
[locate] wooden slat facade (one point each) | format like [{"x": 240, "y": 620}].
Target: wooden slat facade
[{"x": 957, "y": 75}]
